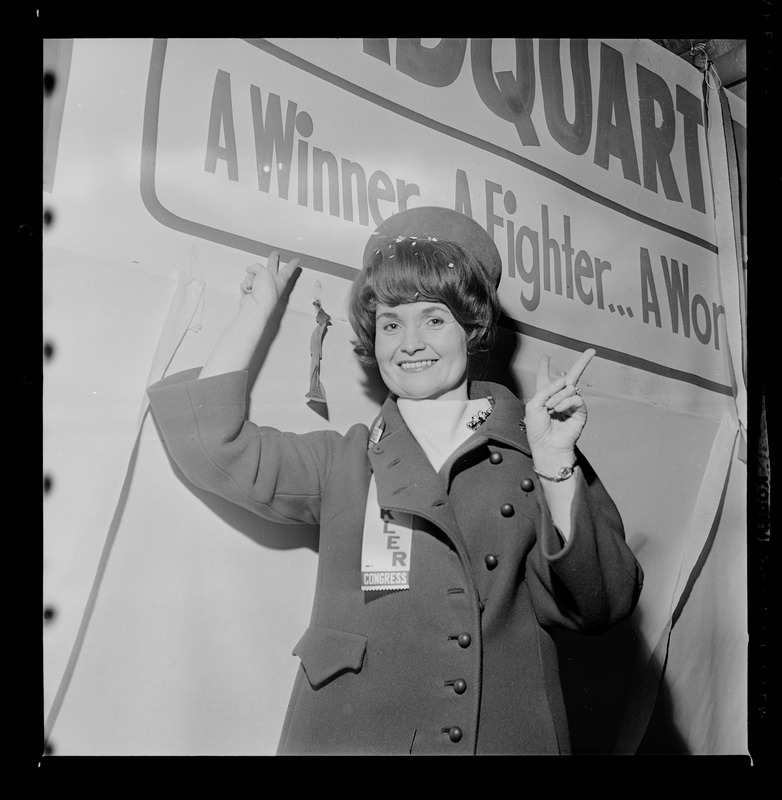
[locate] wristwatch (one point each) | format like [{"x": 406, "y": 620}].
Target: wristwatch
[{"x": 562, "y": 474}]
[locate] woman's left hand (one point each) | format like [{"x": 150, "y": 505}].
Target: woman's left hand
[{"x": 556, "y": 414}]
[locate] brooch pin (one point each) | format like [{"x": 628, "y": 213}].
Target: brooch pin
[{"x": 478, "y": 419}]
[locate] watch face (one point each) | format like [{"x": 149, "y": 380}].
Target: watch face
[{"x": 565, "y": 472}]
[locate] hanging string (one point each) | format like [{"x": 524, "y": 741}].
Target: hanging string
[
  {"x": 700, "y": 58},
  {"x": 713, "y": 72},
  {"x": 699, "y": 53},
  {"x": 718, "y": 123}
]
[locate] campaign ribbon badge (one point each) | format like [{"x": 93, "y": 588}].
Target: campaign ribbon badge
[{"x": 386, "y": 546}]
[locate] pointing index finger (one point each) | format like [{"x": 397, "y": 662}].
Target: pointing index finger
[{"x": 577, "y": 370}]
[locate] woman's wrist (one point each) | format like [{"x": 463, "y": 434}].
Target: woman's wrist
[
  {"x": 254, "y": 314},
  {"x": 550, "y": 463}
]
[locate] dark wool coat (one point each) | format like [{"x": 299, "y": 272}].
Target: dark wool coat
[{"x": 461, "y": 663}]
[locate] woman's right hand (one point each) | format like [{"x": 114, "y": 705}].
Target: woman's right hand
[
  {"x": 261, "y": 288},
  {"x": 263, "y": 285}
]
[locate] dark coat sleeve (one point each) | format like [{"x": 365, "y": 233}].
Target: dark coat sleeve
[
  {"x": 205, "y": 428},
  {"x": 593, "y": 580}
]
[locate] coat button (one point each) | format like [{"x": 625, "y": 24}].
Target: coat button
[
  {"x": 460, "y": 686},
  {"x": 496, "y": 457},
  {"x": 527, "y": 485},
  {"x": 507, "y": 510},
  {"x": 455, "y": 734},
  {"x": 491, "y": 561},
  {"x": 464, "y": 639}
]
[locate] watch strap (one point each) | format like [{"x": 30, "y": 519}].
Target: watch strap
[{"x": 563, "y": 473}]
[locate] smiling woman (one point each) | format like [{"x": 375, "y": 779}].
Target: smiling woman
[
  {"x": 421, "y": 351},
  {"x": 455, "y": 530}
]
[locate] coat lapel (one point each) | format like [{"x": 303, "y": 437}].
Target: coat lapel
[
  {"x": 406, "y": 480},
  {"x": 506, "y": 423}
]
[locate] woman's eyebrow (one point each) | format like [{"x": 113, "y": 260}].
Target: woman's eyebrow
[
  {"x": 442, "y": 310},
  {"x": 389, "y": 314},
  {"x": 422, "y": 312}
]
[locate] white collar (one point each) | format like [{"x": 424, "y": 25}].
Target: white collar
[{"x": 440, "y": 426}]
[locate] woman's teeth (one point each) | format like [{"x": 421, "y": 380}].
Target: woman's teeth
[{"x": 413, "y": 365}]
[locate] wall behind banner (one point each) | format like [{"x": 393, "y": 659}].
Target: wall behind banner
[{"x": 174, "y": 164}]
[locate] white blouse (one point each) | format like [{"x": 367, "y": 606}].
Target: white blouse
[{"x": 440, "y": 426}]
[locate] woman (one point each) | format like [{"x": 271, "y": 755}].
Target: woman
[{"x": 454, "y": 531}]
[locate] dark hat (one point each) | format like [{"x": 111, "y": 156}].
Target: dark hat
[{"x": 440, "y": 223}]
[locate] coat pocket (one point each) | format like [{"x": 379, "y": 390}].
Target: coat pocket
[{"x": 326, "y": 653}]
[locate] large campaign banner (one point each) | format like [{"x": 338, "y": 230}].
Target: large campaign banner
[{"x": 601, "y": 170}]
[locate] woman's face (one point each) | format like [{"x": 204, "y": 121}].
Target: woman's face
[{"x": 421, "y": 351}]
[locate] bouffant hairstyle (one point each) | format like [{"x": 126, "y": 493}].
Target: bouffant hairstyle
[{"x": 423, "y": 268}]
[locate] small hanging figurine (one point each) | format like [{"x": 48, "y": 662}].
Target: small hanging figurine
[{"x": 317, "y": 394}]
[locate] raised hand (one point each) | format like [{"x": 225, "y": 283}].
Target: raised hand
[
  {"x": 264, "y": 284},
  {"x": 261, "y": 288},
  {"x": 556, "y": 414}
]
